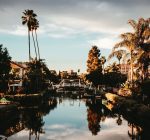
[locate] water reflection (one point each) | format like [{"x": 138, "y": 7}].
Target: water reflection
[
  {"x": 94, "y": 116},
  {"x": 61, "y": 118}
]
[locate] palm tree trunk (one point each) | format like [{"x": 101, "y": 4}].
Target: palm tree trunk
[
  {"x": 131, "y": 66},
  {"x": 119, "y": 65},
  {"x": 103, "y": 68},
  {"x": 29, "y": 44},
  {"x": 34, "y": 45},
  {"x": 37, "y": 44}
]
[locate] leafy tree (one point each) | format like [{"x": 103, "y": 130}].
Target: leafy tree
[
  {"x": 4, "y": 68},
  {"x": 94, "y": 66},
  {"x": 112, "y": 76},
  {"x": 94, "y": 62},
  {"x": 37, "y": 77},
  {"x": 95, "y": 77},
  {"x": 114, "y": 79}
]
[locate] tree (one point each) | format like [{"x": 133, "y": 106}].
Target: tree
[
  {"x": 94, "y": 66},
  {"x": 112, "y": 72},
  {"x": 138, "y": 44},
  {"x": 112, "y": 68},
  {"x": 37, "y": 77},
  {"x": 94, "y": 115},
  {"x": 118, "y": 54},
  {"x": 32, "y": 29},
  {"x": 36, "y": 26},
  {"x": 94, "y": 62},
  {"x": 128, "y": 41},
  {"x": 28, "y": 19},
  {"x": 5, "y": 68},
  {"x": 103, "y": 61}
]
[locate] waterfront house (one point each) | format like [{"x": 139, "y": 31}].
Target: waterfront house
[{"x": 18, "y": 70}]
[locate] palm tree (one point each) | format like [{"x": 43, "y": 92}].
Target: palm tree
[
  {"x": 28, "y": 19},
  {"x": 112, "y": 68},
  {"x": 118, "y": 54},
  {"x": 32, "y": 28},
  {"x": 36, "y": 26},
  {"x": 138, "y": 45},
  {"x": 103, "y": 61},
  {"x": 128, "y": 42},
  {"x": 142, "y": 32}
]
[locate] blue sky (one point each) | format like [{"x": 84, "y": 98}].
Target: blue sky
[{"x": 68, "y": 28}]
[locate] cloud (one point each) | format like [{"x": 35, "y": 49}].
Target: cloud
[
  {"x": 105, "y": 42},
  {"x": 103, "y": 16},
  {"x": 109, "y": 130},
  {"x": 71, "y": 18}
]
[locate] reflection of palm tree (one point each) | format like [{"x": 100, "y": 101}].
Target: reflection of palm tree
[
  {"x": 33, "y": 119},
  {"x": 28, "y": 19},
  {"x": 135, "y": 131}
]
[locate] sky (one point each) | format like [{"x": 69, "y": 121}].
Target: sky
[{"x": 68, "y": 28}]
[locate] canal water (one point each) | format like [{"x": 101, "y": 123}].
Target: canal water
[{"x": 69, "y": 119}]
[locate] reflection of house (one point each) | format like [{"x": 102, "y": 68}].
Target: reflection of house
[{"x": 18, "y": 68}]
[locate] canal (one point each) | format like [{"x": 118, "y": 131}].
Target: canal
[{"x": 69, "y": 119}]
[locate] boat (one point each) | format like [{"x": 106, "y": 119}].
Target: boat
[{"x": 4, "y": 101}]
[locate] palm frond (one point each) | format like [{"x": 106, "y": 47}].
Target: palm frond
[{"x": 132, "y": 23}]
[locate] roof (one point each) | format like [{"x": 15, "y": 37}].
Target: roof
[{"x": 19, "y": 65}]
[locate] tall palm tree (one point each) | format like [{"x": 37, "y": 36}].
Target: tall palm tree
[
  {"x": 128, "y": 42},
  {"x": 27, "y": 19},
  {"x": 137, "y": 43},
  {"x": 36, "y": 26},
  {"x": 32, "y": 28},
  {"x": 142, "y": 32}
]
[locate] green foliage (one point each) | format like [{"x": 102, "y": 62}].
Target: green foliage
[
  {"x": 94, "y": 62},
  {"x": 145, "y": 87},
  {"x": 95, "y": 77},
  {"x": 112, "y": 68},
  {"x": 4, "y": 69},
  {"x": 114, "y": 79},
  {"x": 37, "y": 77},
  {"x": 94, "y": 66}
]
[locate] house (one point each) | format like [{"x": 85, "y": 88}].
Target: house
[
  {"x": 18, "y": 69},
  {"x": 124, "y": 68},
  {"x": 68, "y": 74}
]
